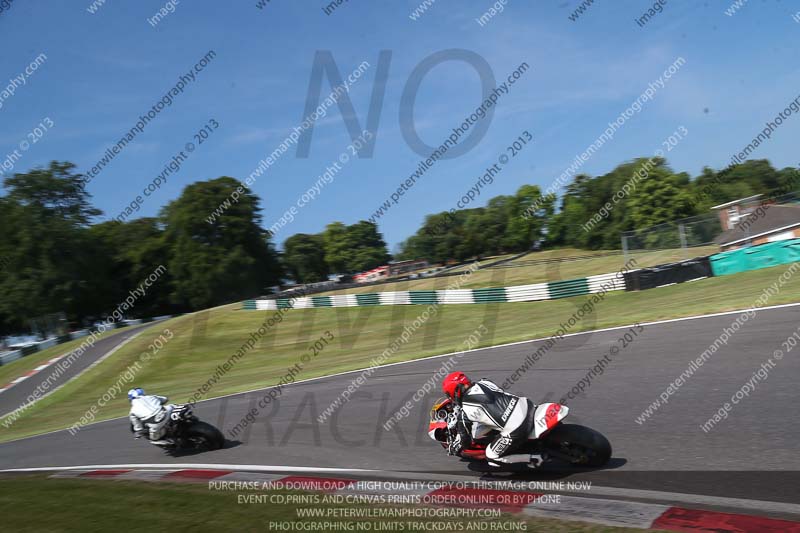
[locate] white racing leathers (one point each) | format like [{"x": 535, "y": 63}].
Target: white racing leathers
[
  {"x": 490, "y": 407},
  {"x": 149, "y": 412}
]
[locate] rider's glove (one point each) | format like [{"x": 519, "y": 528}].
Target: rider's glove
[
  {"x": 461, "y": 438},
  {"x": 456, "y": 445},
  {"x": 452, "y": 421}
]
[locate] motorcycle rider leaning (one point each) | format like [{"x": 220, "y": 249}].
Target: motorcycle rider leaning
[
  {"x": 149, "y": 415},
  {"x": 486, "y": 407}
]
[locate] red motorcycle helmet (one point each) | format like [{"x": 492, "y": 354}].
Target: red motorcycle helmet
[{"x": 454, "y": 383}]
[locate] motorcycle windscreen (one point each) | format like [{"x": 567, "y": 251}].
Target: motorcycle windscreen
[
  {"x": 437, "y": 427},
  {"x": 546, "y": 416}
]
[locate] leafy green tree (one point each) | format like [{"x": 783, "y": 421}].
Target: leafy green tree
[
  {"x": 304, "y": 258},
  {"x": 337, "y": 247},
  {"x": 595, "y": 211},
  {"x": 467, "y": 238},
  {"x": 44, "y": 244},
  {"x": 739, "y": 181},
  {"x": 662, "y": 197},
  {"x": 228, "y": 259},
  {"x": 526, "y": 222},
  {"x": 367, "y": 247},
  {"x": 506, "y": 224},
  {"x": 353, "y": 248},
  {"x": 130, "y": 252},
  {"x": 788, "y": 181}
]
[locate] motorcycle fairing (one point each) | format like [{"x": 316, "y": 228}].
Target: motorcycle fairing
[{"x": 546, "y": 416}]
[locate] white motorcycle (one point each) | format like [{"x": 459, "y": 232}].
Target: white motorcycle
[{"x": 549, "y": 439}]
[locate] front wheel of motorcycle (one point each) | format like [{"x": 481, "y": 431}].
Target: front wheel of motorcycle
[
  {"x": 578, "y": 445},
  {"x": 202, "y": 435}
]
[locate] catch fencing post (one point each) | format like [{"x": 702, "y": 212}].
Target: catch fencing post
[
  {"x": 624, "y": 249},
  {"x": 682, "y": 233}
]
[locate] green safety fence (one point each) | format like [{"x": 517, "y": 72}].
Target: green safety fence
[{"x": 755, "y": 257}]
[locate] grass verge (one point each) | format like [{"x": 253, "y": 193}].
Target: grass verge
[
  {"x": 525, "y": 272},
  {"x": 204, "y": 340},
  {"x": 36, "y": 504}
]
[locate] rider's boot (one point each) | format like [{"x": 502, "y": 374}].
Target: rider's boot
[
  {"x": 515, "y": 458},
  {"x": 537, "y": 460}
]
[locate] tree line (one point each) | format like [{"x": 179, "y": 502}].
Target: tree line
[
  {"x": 56, "y": 257},
  {"x": 662, "y": 196},
  {"x": 592, "y": 212},
  {"x": 340, "y": 249}
]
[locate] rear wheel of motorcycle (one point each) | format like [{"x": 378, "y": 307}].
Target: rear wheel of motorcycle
[
  {"x": 580, "y": 445},
  {"x": 203, "y": 435}
]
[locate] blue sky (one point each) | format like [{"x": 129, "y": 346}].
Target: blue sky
[{"x": 105, "y": 69}]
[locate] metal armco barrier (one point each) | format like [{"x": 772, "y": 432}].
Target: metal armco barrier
[
  {"x": 10, "y": 356},
  {"x": 39, "y": 346}
]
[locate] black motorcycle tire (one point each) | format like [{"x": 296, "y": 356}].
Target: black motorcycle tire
[
  {"x": 583, "y": 445},
  {"x": 202, "y": 431}
]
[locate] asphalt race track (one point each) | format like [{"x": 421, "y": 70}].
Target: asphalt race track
[
  {"x": 752, "y": 454},
  {"x": 18, "y": 394}
]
